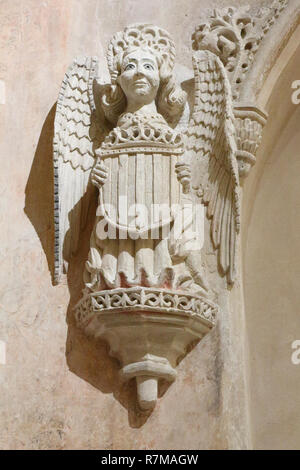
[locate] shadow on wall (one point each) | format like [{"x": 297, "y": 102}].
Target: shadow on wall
[
  {"x": 88, "y": 358},
  {"x": 39, "y": 199}
]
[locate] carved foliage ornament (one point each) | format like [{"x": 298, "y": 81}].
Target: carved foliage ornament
[
  {"x": 143, "y": 277},
  {"x": 234, "y": 35}
]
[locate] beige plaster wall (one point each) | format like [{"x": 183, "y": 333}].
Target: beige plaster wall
[
  {"x": 58, "y": 389},
  {"x": 270, "y": 244},
  {"x": 272, "y": 295}
]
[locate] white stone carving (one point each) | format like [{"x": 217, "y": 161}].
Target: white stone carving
[
  {"x": 145, "y": 292},
  {"x": 211, "y": 138},
  {"x": 76, "y": 133},
  {"x": 234, "y": 35},
  {"x": 146, "y": 299},
  {"x": 148, "y": 331},
  {"x": 249, "y": 123}
]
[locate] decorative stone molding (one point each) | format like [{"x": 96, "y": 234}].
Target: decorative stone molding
[
  {"x": 234, "y": 35},
  {"x": 271, "y": 47},
  {"x": 249, "y": 123},
  {"x": 142, "y": 135},
  {"x": 145, "y": 299},
  {"x": 148, "y": 331}
]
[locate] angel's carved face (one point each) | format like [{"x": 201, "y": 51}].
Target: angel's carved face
[{"x": 139, "y": 78}]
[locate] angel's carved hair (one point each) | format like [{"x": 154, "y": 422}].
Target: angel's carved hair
[{"x": 170, "y": 98}]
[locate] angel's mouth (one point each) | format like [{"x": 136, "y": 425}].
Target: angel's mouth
[{"x": 140, "y": 83}]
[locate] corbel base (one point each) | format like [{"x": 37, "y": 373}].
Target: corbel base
[{"x": 148, "y": 330}]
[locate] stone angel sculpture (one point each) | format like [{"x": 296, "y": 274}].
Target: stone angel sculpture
[
  {"x": 142, "y": 104},
  {"x": 136, "y": 140}
]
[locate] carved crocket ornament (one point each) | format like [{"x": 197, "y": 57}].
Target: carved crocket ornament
[{"x": 136, "y": 140}]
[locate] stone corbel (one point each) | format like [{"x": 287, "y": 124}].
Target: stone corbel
[
  {"x": 148, "y": 330},
  {"x": 249, "y": 124}
]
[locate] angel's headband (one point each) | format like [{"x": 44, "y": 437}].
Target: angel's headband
[{"x": 140, "y": 36}]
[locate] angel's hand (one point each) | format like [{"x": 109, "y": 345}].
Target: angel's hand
[
  {"x": 99, "y": 174},
  {"x": 183, "y": 171}
]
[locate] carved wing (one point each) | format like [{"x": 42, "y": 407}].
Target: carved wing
[
  {"x": 212, "y": 149},
  {"x": 78, "y": 131}
]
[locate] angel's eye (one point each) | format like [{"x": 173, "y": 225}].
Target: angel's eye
[
  {"x": 148, "y": 66},
  {"x": 129, "y": 67}
]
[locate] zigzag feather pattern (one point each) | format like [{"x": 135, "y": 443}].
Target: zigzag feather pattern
[
  {"x": 73, "y": 119},
  {"x": 77, "y": 134},
  {"x": 210, "y": 136}
]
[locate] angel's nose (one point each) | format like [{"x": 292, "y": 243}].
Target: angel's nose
[{"x": 139, "y": 69}]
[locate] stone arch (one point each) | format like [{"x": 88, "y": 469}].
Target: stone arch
[
  {"x": 274, "y": 51},
  {"x": 270, "y": 243}
]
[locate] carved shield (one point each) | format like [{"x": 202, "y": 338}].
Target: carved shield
[{"x": 142, "y": 189}]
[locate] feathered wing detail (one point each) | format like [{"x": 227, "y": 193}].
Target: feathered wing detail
[
  {"x": 211, "y": 145},
  {"x": 78, "y": 131}
]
